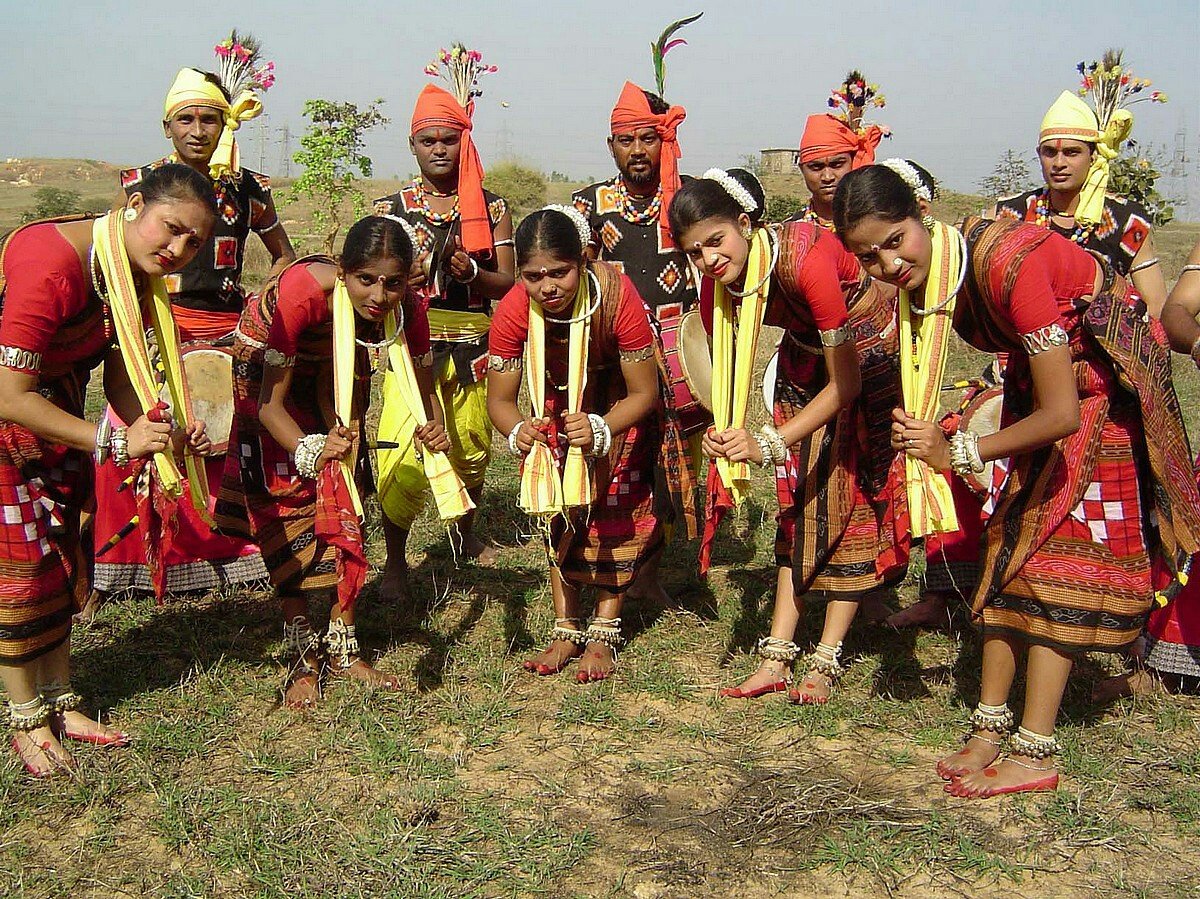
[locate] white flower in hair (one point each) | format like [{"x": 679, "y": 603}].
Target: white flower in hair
[
  {"x": 740, "y": 195},
  {"x": 911, "y": 176},
  {"x": 408, "y": 228},
  {"x": 577, "y": 219}
]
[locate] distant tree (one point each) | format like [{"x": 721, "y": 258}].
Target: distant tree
[
  {"x": 752, "y": 163},
  {"x": 782, "y": 207},
  {"x": 1134, "y": 176},
  {"x": 51, "y": 202},
  {"x": 524, "y": 188},
  {"x": 331, "y": 152},
  {"x": 1010, "y": 176}
]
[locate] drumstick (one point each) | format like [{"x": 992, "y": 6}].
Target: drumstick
[
  {"x": 383, "y": 444},
  {"x": 118, "y": 536}
]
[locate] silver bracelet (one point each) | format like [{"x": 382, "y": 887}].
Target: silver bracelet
[
  {"x": 764, "y": 447},
  {"x": 119, "y": 443},
  {"x": 776, "y": 444},
  {"x": 308, "y": 451},
  {"x": 512, "y": 439},
  {"x": 964, "y": 454},
  {"x": 474, "y": 271},
  {"x": 601, "y": 434},
  {"x": 103, "y": 440}
]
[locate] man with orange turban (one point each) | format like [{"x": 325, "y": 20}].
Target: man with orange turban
[
  {"x": 464, "y": 262},
  {"x": 200, "y": 115}
]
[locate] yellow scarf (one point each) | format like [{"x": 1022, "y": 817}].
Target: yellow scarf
[
  {"x": 544, "y": 493},
  {"x": 449, "y": 492},
  {"x": 733, "y": 366},
  {"x": 343, "y": 377},
  {"x": 108, "y": 239},
  {"x": 1095, "y": 189},
  {"x": 922, "y": 366}
]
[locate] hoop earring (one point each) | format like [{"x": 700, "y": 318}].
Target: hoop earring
[{"x": 130, "y": 214}]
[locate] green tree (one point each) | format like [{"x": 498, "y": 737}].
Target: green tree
[
  {"x": 781, "y": 207},
  {"x": 1134, "y": 176},
  {"x": 331, "y": 152},
  {"x": 524, "y": 188},
  {"x": 50, "y": 202},
  {"x": 1010, "y": 176}
]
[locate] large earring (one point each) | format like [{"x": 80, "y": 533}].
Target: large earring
[
  {"x": 928, "y": 221},
  {"x": 746, "y": 232},
  {"x": 130, "y": 213}
]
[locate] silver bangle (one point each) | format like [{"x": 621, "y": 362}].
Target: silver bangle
[
  {"x": 964, "y": 454},
  {"x": 474, "y": 271},
  {"x": 601, "y": 434},
  {"x": 776, "y": 443},
  {"x": 764, "y": 447},
  {"x": 512, "y": 439},
  {"x": 119, "y": 443},
  {"x": 308, "y": 451},
  {"x": 1142, "y": 266},
  {"x": 103, "y": 440}
]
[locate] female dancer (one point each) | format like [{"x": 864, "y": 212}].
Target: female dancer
[
  {"x": 827, "y": 480},
  {"x": 595, "y": 386},
  {"x": 66, "y": 287},
  {"x": 301, "y": 390},
  {"x": 1066, "y": 554}
]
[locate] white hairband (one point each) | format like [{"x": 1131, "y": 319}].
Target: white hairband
[
  {"x": 911, "y": 176},
  {"x": 740, "y": 195},
  {"x": 408, "y": 229},
  {"x": 577, "y": 219}
]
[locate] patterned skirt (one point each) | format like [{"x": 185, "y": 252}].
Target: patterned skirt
[{"x": 43, "y": 576}]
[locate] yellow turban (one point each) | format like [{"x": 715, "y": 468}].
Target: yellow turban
[
  {"x": 192, "y": 88},
  {"x": 1070, "y": 118}
]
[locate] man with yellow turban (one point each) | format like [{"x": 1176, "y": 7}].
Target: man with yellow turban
[
  {"x": 201, "y": 113},
  {"x": 464, "y": 263},
  {"x": 1076, "y": 148}
]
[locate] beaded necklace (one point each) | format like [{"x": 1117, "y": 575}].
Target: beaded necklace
[
  {"x": 434, "y": 218},
  {"x": 1044, "y": 214},
  {"x": 808, "y": 214},
  {"x": 629, "y": 210},
  {"x": 102, "y": 294}
]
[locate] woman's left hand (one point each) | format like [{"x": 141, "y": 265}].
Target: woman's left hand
[
  {"x": 578, "y": 428},
  {"x": 433, "y": 437},
  {"x": 740, "y": 446},
  {"x": 197, "y": 438},
  {"x": 922, "y": 440}
]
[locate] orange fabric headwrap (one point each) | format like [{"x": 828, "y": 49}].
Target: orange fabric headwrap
[
  {"x": 632, "y": 112},
  {"x": 827, "y": 135},
  {"x": 437, "y": 107}
]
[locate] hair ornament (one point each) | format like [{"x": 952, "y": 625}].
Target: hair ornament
[
  {"x": 577, "y": 219},
  {"x": 910, "y": 176},
  {"x": 740, "y": 195},
  {"x": 408, "y": 229}
]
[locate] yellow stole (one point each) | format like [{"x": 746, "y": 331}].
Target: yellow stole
[
  {"x": 343, "y": 378},
  {"x": 108, "y": 239},
  {"x": 449, "y": 492},
  {"x": 924, "y": 342},
  {"x": 733, "y": 356},
  {"x": 544, "y": 493}
]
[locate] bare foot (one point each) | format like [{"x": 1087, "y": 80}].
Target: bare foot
[
  {"x": 929, "y": 611},
  {"x": 597, "y": 663},
  {"x": 482, "y": 553},
  {"x": 1030, "y": 776},
  {"x": 90, "y": 608},
  {"x": 1134, "y": 683},
  {"x": 393, "y": 583},
  {"x": 979, "y": 752},
  {"x": 554, "y": 658},
  {"x": 362, "y": 671},
  {"x": 41, "y": 753},
  {"x": 771, "y": 677},
  {"x": 303, "y": 690},
  {"x": 872, "y": 608},
  {"x": 815, "y": 689},
  {"x": 78, "y": 726}
]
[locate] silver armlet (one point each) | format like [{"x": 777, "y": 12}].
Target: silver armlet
[
  {"x": 835, "y": 336},
  {"x": 641, "y": 355},
  {"x": 1044, "y": 338},
  {"x": 274, "y": 358},
  {"x": 1142, "y": 266},
  {"x": 499, "y": 363},
  {"x": 21, "y": 360}
]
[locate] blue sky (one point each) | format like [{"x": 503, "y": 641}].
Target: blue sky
[{"x": 965, "y": 81}]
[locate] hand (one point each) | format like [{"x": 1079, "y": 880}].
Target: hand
[
  {"x": 578, "y": 428},
  {"x": 433, "y": 437},
  {"x": 419, "y": 273},
  {"x": 922, "y": 440},
  {"x": 195, "y": 437},
  {"x": 146, "y": 437},
  {"x": 338, "y": 445},
  {"x": 740, "y": 446},
  {"x": 533, "y": 430},
  {"x": 713, "y": 444}
]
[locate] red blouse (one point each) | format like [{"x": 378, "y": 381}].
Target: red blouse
[
  {"x": 1052, "y": 276},
  {"x": 303, "y": 305},
  {"x": 50, "y": 310},
  {"x": 510, "y": 322},
  {"x": 809, "y": 286}
]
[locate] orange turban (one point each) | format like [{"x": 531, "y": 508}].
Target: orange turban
[
  {"x": 632, "y": 112},
  {"x": 437, "y": 107},
  {"x": 826, "y": 135}
]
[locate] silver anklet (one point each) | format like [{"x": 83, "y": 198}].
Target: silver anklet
[
  {"x": 569, "y": 634},
  {"x": 775, "y": 650},
  {"x": 606, "y": 631},
  {"x": 1033, "y": 745}
]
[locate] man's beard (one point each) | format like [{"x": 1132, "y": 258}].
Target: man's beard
[{"x": 651, "y": 177}]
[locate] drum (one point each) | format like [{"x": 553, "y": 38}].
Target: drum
[
  {"x": 768, "y": 384},
  {"x": 981, "y": 411},
  {"x": 688, "y": 358},
  {"x": 209, "y": 374}
]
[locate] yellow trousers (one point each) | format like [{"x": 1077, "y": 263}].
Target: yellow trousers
[{"x": 403, "y": 486}]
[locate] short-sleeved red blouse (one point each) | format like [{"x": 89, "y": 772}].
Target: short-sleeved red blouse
[
  {"x": 510, "y": 322},
  {"x": 304, "y": 305},
  {"x": 50, "y": 309},
  {"x": 1052, "y": 276}
]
